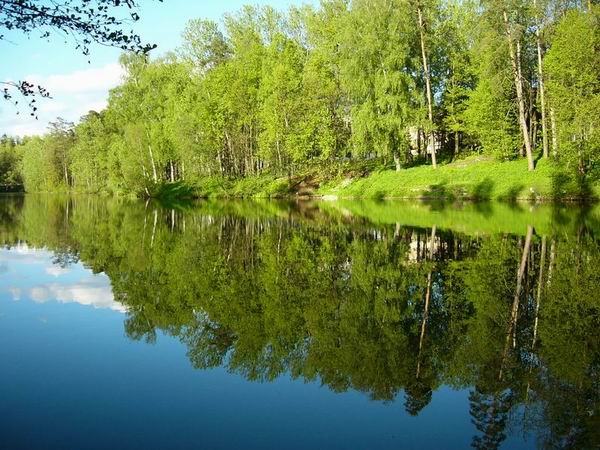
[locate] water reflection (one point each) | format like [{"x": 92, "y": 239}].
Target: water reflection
[
  {"x": 40, "y": 276},
  {"x": 390, "y": 299}
]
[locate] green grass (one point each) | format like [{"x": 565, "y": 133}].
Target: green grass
[
  {"x": 171, "y": 191},
  {"x": 472, "y": 178},
  {"x": 477, "y": 177},
  {"x": 264, "y": 186}
]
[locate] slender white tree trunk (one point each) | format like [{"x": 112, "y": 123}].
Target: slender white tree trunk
[
  {"x": 427, "y": 76},
  {"x": 515, "y": 56},
  {"x": 151, "y": 154},
  {"x": 539, "y": 290},
  {"x": 427, "y": 301},
  {"x": 541, "y": 85},
  {"x": 154, "y": 175},
  {"x": 514, "y": 312},
  {"x": 154, "y": 228},
  {"x": 554, "y": 133},
  {"x": 397, "y": 161}
]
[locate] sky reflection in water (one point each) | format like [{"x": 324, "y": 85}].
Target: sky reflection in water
[{"x": 264, "y": 325}]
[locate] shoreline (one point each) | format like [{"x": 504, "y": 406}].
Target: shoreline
[{"x": 473, "y": 179}]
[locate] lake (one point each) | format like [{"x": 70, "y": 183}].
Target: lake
[{"x": 293, "y": 325}]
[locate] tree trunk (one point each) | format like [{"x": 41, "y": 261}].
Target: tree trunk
[
  {"x": 554, "y": 133},
  {"x": 552, "y": 258},
  {"x": 154, "y": 175},
  {"x": 515, "y": 56},
  {"x": 220, "y": 160},
  {"x": 151, "y": 154},
  {"x": 427, "y": 298},
  {"x": 279, "y": 158},
  {"x": 432, "y": 248},
  {"x": 427, "y": 76},
  {"x": 515, "y": 306},
  {"x": 397, "y": 161},
  {"x": 521, "y": 273},
  {"x": 539, "y": 290},
  {"x": 154, "y": 228},
  {"x": 456, "y": 144},
  {"x": 66, "y": 174},
  {"x": 424, "y": 321},
  {"x": 541, "y": 85},
  {"x": 533, "y": 122}
]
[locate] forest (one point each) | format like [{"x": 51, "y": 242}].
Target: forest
[{"x": 348, "y": 87}]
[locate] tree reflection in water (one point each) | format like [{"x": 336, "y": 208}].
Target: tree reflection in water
[{"x": 322, "y": 293}]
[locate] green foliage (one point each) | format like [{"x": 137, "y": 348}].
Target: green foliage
[
  {"x": 491, "y": 113},
  {"x": 267, "y": 94},
  {"x": 574, "y": 87},
  {"x": 11, "y": 156},
  {"x": 376, "y": 67},
  {"x": 457, "y": 29},
  {"x": 90, "y": 155},
  {"x": 38, "y": 170}
]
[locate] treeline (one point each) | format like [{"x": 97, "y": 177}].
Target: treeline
[
  {"x": 388, "y": 310},
  {"x": 10, "y": 165},
  {"x": 390, "y": 82}
]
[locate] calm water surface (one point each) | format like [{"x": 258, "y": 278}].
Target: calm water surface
[{"x": 268, "y": 325}]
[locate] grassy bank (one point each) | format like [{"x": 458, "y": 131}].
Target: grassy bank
[
  {"x": 472, "y": 178},
  {"x": 264, "y": 186}
]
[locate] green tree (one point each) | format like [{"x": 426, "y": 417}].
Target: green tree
[
  {"x": 574, "y": 89},
  {"x": 377, "y": 71}
]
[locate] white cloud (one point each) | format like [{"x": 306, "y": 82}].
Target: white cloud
[
  {"x": 53, "y": 107},
  {"x": 86, "y": 289},
  {"x": 95, "y": 291},
  {"x": 99, "y": 79},
  {"x": 16, "y": 293},
  {"x": 73, "y": 95},
  {"x": 20, "y": 126},
  {"x": 57, "y": 271},
  {"x": 39, "y": 294},
  {"x": 23, "y": 254}
]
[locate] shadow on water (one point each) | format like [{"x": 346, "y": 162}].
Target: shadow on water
[
  {"x": 179, "y": 204},
  {"x": 437, "y": 197},
  {"x": 11, "y": 189},
  {"x": 437, "y": 204}
]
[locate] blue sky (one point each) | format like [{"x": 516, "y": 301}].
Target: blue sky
[{"x": 77, "y": 86}]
